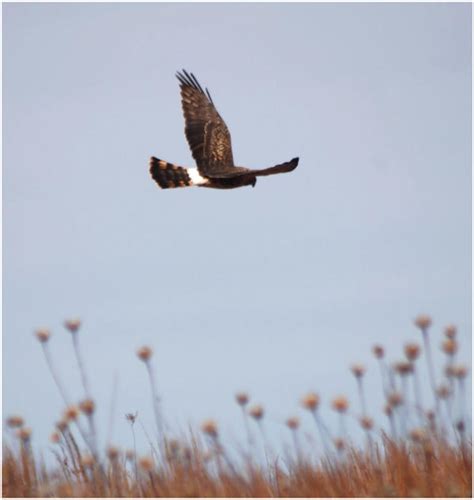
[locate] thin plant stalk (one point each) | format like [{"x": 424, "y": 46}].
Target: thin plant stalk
[
  {"x": 62, "y": 391},
  {"x": 80, "y": 363},
  {"x": 361, "y": 395},
  {"x": 323, "y": 431},
  {"x": 156, "y": 404},
  {"x": 429, "y": 361},
  {"x": 417, "y": 393},
  {"x": 54, "y": 374}
]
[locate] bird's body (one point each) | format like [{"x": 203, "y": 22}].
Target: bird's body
[{"x": 210, "y": 143}]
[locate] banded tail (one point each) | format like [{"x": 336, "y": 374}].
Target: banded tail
[{"x": 167, "y": 175}]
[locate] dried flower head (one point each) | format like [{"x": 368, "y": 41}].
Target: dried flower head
[
  {"x": 423, "y": 321},
  {"x": 378, "y": 351},
  {"x": 293, "y": 423},
  {"x": 367, "y": 423},
  {"x": 449, "y": 346},
  {"x": 449, "y": 371},
  {"x": 310, "y": 401},
  {"x": 412, "y": 351},
  {"x": 43, "y": 334},
  {"x": 209, "y": 427},
  {"x": 358, "y": 370},
  {"x": 15, "y": 421},
  {"x": 418, "y": 435},
  {"x": 131, "y": 417},
  {"x": 174, "y": 446},
  {"x": 113, "y": 453},
  {"x": 395, "y": 399},
  {"x": 242, "y": 398},
  {"x": 144, "y": 353},
  {"x": 460, "y": 371},
  {"x": 130, "y": 455},
  {"x": 388, "y": 410},
  {"x": 146, "y": 463},
  {"x": 443, "y": 391},
  {"x": 450, "y": 331},
  {"x": 24, "y": 433},
  {"x": 403, "y": 368},
  {"x": 72, "y": 324},
  {"x": 71, "y": 413},
  {"x": 87, "y": 461},
  {"x": 339, "y": 443},
  {"x": 256, "y": 412},
  {"x": 61, "y": 425},
  {"x": 55, "y": 437},
  {"x": 340, "y": 404},
  {"x": 87, "y": 406}
]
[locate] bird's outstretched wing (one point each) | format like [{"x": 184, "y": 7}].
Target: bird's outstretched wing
[
  {"x": 206, "y": 131},
  {"x": 277, "y": 169},
  {"x": 240, "y": 171}
]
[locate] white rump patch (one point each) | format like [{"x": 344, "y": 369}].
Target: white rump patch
[{"x": 196, "y": 178}]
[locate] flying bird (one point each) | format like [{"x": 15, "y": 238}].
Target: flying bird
[{"x": 209, "y": 140}]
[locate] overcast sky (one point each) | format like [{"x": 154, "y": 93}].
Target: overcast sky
[{"x": 275, "y": 290}]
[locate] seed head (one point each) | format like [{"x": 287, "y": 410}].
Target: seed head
[
  {"x": 130, "y": 455},
  {"x": 87, "y": 461},
  {"x": 242, "y": 398},
  {"x": 412, "y": 351},
  {"x": 256, "y": 412},
  {"x": 395, "y": 399},
  {"x": 112, "y": 453},
  {"x": 340, "y": 404},
  {"x": 378, "y": 351},
  {"x": 293, "y": 423},
  {"x": 144, "y": 353},
  {"x": 449, "y": 346},
  {"x": 339, "y": 443},
  {"x": 423, "y": 322},
  {"x": 71, "y": 413},
  {"x": 62, "y": 425},
  {"x": 209, "y": 427},
  {"x": 460, "y": 371},
  {"x": 146, "y": 463},
  {"x": 449, "y": 371},
  {"x": 131, "y": 417},
  {"x": 443, "y": 391},
  {"x": 358, "y": 370},
  {"x": 460, "y": 425},
  {"x": 24, "y": 433},
  {"x": 450, "y": 331},
  {"x": 418, "y": 435},
  {"x": 72, "y": 324},
  {"x": 403, "y": 368},
  {"x": 55, "y": 437},
  {"x": 87, "y": 407},
  {"x": 430, "y": 415},
  {"x": 15, "y": 421},
  {"x": 387, "y": 409},
  {"x": 367, "y": 423},
  {"x": 310, "y": 401},
  {"x": 43, "y": 334}
]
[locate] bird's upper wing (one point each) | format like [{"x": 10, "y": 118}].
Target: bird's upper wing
[{"x": 206, "y": 131}]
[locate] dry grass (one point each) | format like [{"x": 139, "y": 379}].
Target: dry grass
[{"x": 432, "y": 460}]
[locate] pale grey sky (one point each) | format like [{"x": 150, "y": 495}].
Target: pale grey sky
[{"x": 274, "y": 290}]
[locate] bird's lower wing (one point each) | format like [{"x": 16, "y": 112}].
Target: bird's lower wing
[
  {"x": 241, "y": 171},
  {"x": 277, "y": 169}
]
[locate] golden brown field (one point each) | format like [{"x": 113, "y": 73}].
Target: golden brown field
[{"x": 432, "y": 459}]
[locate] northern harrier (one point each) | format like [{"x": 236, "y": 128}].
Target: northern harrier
[{"x": 210, "y": 144}]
